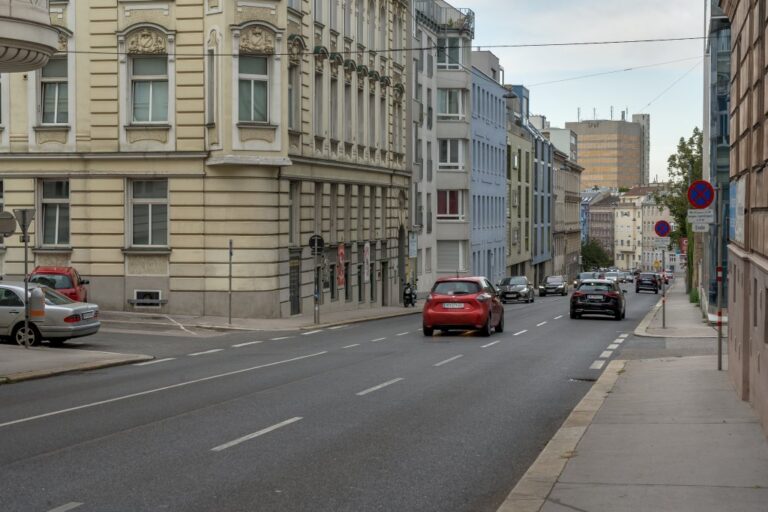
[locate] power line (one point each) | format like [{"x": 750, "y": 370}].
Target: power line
[
  {"x": 662, "y": 93},
  {"x": 592, "y": 43}
]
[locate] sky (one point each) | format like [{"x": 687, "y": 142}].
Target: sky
[{"x": 673, "y": 115}]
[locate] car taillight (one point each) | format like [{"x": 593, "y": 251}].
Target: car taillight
[
  {"x": 71, "y": 319},
  {"x": 578, "y": 294},
  {"x": 613, "y": 295},
  {"x": 483, "y": 297}
]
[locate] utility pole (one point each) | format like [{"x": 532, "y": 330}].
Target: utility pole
[{"x": 720, "y": 277}]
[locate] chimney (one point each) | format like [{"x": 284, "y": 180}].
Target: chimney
[{"x": 623, "y": 115}]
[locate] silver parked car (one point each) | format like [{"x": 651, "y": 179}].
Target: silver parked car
[{"x": 64, "y": 318}]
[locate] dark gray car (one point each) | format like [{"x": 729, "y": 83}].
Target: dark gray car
[{"x": 515, "y": 288}]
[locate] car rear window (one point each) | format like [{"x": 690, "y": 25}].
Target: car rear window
[
  {"x": 554, "y": 280},
  {"x": 647, "y": 276},
  {"x": 55, "y": 281},
  {"x": 596, "y": 287},
  {"x": 54, "y": 298},
  {"x": 456, "y": 288},
  {"x": 588, "y": 275}
]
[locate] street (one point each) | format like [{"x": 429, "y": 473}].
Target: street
[{"x": 369, "y": 416}]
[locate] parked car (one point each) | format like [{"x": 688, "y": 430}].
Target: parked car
[
  {"x": 599, "y": 297},
  {"x": 582, "y": 276},
  {"x": 463, "y": 303},
  {"x": 515, "y": 288},
  {"x": 552, "y": 285},
  {"x": 64, "y": 318},
  {"x": 64, "y": 280},
  {"x": 647, "y": 281}
]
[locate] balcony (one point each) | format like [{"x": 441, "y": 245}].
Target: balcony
[
  {"x": 27, "y": 39},
  {"x": 443, "y": 16}
]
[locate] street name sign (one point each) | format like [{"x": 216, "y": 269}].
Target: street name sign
[
  {"x": 697, "y": 227},
  {"x": 662, "y": 242},
  {"x": 705, "y": 216},
  {"x": 701, "y": 194}
]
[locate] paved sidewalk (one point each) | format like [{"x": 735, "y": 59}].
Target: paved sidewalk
[
  {"x": 19, "y": 363},
  {"x": 299, "y": 322},
  {"x": 684, "y": 320}
]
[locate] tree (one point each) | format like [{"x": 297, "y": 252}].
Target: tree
[{"x": 594, "y": 256}]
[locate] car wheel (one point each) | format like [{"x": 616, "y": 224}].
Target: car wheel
[
  {"x": 637, "y": 290},
  {"x": 486, "y": 330},
  {"x": 624, "y": 313},
  {"x": 574, "y": 315},
  {"x": 19, "y": 334},
  {"x": 542, "y": 294},
  {"x": 656, "y": 292},
  {"x": 617, "y": 315},
  {"x": 500, "y": 326},
  {"x": 428, "y": 331}
]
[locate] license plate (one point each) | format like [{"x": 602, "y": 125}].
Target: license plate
[
  {"x": 453, "y": 305},
  {"x": 88, "y": 314},
  {"x": 594, "y": 297}
]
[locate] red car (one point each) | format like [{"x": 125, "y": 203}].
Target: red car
[
  {"x": 463, "y": 303},
  {"x": 64, "y": 280}
]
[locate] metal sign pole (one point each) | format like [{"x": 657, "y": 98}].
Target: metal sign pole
[
  {"x": 719, "y": 278},
  {"x": 26, "y": 288},
  {"x": 229, "y": 293},
  {"x": 317, "y": 286},
  {"x": 663, "y": 290}
]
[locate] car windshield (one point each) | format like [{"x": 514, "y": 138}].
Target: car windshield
[
  {"x": 587, "y": 275},
  {"x": 513, "y": 280},
  {"x": 609, "y": 275},
  {"x": 54, "y": 298},
  {"x": 456, "y": 288},
  {"x": 56, "y": 281},
  {"x": 595, "y": 287},
  {"x": 554, "y": 280}
]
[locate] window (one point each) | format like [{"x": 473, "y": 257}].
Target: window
[
  {"x": 372, "y": 25},
  {"x": 294, "y": 212},
  {"x": 428, "y": 260},
  {"x": 293, "y": 97},
  {"x": 348, "y": 26},
  {"x": 334, "y": 112},
  {"x": 253, "y": 90},
  {"x": 334, "y": 21},
  {"x": 429, "y": 213},
  {"x": 372, "y": 120},
  {"x": 149, "y": 212},
  {"x": 348, "y": 112},
  {"x": 449, "y": 104},
  {"x": 450, "y": 154},
  {"x": 318, "y": 120},
  {"x": 450, "y": 205},
  {"x": 211, "y": 92},
  {"x": 448, "y": 53},
  {"x": 55, "y": 92},
  {"x": 55, "y": 203},
  {"x": 450, "y": 256},
  {"x": 383, "y": 124},
  {"x": 149, "y": 89},
  {"x": 360, "y": 118},
  {"x": 360, "y": 23},
  {"x": 318, "y": 10}
]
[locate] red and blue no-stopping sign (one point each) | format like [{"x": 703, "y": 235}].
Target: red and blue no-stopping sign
[
  {"x": 662, "y": 228},
  {"x": 701, "y": 194}
]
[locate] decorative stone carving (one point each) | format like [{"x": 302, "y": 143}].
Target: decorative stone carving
[
  {"x": 336, "y": 60},
  {"x": 321, "y": 53},
  {"x": 349, "y": 67},
  {"x": 146, "y": 41},
  {"x": 296, "y": 47},
  {"x": 399, "y": 90},
  {"x": 257, "y": 40},
  {"x": 63, "y": 42}
]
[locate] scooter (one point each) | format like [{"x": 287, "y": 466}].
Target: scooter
[{"x": 409, "y": 295}]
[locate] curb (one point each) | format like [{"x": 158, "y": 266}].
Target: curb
[
  {"x": 642, "y": 328},
  {"x": 361, "y": 320},
  {"x": 40, "y": 374},
  {"x": 531, "y": 492}
]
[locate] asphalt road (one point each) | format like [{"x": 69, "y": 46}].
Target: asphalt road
[{"x": 367, "y": 417}]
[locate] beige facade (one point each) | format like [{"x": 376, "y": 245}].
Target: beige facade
[
  {"x": 602, "y": 222},
  {"x": 163, "y": 130},
  {"x": 519, "y": 176},
  {"x": 27, "y": 39},
  {"x": 628, "y": 234},
  {"x": 653, "y": 212},
  {"x": 748, "y": 237},
  {"x": 566, "y": 227},
  {"x": 612, "y": 153}
]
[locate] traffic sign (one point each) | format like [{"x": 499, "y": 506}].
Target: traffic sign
[
  {"x": 661, "y": 242},
  {"x": 705, "y": 216},
  {"x": 662, "y": 228},
  {"x": 24, "y": 217},
  {"x": 701, "y": 194},
  {"x": 700, "y": 227},
  {"x": 7, "y": 224},
  {"x": 317, "y": 244}
]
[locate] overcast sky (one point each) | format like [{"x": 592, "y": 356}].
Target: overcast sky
[{"x": 538, "y": 21}]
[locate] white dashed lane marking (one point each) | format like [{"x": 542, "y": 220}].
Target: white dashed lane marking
[
  {"x": 155, "y": 361},
  {"x": 490, "y": 344},
  {"x": 376, "y": 388},
  {"x": 558, "y": 317},
  {"x": 540, "y": 324},
  {"x": 401, "y": 333},
  {"x": 67, "y": 506},
  {"x": 350, "y": 346},
  {"x": 255, "y": 434},
  {"x": 597, "y": 365},
  {"x": 378, "y": 339},
  {"x": 238, "y": 345},
  {"x": 606, "y": 354},
  {"x": 338, "y": 327},
  {"x": 520, "y": 332},
  {"x": 623, "y": 335},
  {"x": 311, "y": 332},
  {"x": 204, "y": 352},
  {"x": 613, "y": 346},
  {"x": 441, "y": 363},
  {"x": 281, "y": 338}
]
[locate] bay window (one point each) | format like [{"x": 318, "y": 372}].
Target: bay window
[
  {"x": 450, "y": 154},
  {"x": 449, "y": 53},
  {"x": 450, "y": 205},
  {"x": 450, "y": 104}
]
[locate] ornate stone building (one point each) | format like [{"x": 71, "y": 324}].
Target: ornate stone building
[{"x": 162, "y": 131}]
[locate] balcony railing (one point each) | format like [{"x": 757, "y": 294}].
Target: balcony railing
[{"x": 444, "y": 16}]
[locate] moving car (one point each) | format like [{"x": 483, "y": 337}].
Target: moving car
[
  {"x": 515, "y": 288},
  {"x": 64, "y": 318},
  {"x": 554, "y": 284},
  {"x": 64, "y": 280},
  {"x": 463, "y": 303},
  {"x": 582, "y": 276},
  {"x": 599, "y": 297},
  {"x": 647, "y": 281},
  {"x": 612, "y": 276}
]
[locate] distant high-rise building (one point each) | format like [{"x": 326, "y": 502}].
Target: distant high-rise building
[
  {"x": 644, "y": 120},
  {"x": 613, "y": 153}
]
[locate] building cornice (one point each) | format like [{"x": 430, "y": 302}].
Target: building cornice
[{"x": 125, "y": 155}]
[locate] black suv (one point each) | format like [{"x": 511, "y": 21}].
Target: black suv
[
  {"x": 598, "y": 297},
  {"x": 647, "y": 281},
  {"x": 552, "y": 285}
]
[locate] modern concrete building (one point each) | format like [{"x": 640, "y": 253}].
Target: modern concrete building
[
  {"x": 602, "y": 219},
  {"x": 644, "y": 120},
  {"x": 566, "y": 229},
  {"x": 488, "y": 183},
  {"x": 27, "y": 36},
  {"x": 748, "y": 222},
  {"x": 613, "y": 153},
  {"x": 168, "y": 130},
  {"x": 520, "y": 195},
  {"x": 455, "y": 30},
  {"x": 543, "y": 206}
]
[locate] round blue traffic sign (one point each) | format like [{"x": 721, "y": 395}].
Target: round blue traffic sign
[
  {"x": 662, "y": 228},
  {"x": 701, "y": 194}
]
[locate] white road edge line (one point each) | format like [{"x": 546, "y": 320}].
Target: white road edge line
[
  {"x": 613, "y": 346},
  {"x": 67, "y": 506},
  {"x": 193, "y": 354},
  {"x": 155, "y": 361},
  {"x": 606, "y": 354},
  {"x": 350, "y": 346},
  {"x": 238, "y": 345},
  {"x": 490, "y": 344},
  {"x": 255, "y": 434},
  {"x": 441, "y": 363},
  {"x": 597, "y": 365},
  {"x": 558, "y": 317},
  {"x": 402, "y": 333},
  {"x": 156, "y": 390},
  {"x": 540, "y": 324},
  {"x": 311, "y": 332},
  {"x": 281, "y": 338},
  {"x": 378, "y": 339},
  {"x": 376, "y": 388},
  {"x": 520, "y": 332},
  {"x": 180, "y": 326}
]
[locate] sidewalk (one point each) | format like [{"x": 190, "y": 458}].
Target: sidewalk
[
  {"x": 654, "y": 435},
  {"x": 19, "y": 363},
  {"x": 294, "y": 323},
  {"x": 684, "y": 320}
]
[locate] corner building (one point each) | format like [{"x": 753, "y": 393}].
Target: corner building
[{"x": 161, "y": 131}]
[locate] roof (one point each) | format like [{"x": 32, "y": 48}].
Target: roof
[
  {"x": 643, "y": 190},
  {"x": 52, "y": 270},
  {"x": 607, "y": 201},
  {"x": 468, "y": 278}
]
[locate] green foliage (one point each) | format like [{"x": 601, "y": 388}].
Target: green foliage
[
  {"x": 694, "y": 296},
  {"x": 594, "y": 256},
  {"x": 623, "y": 189}
]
